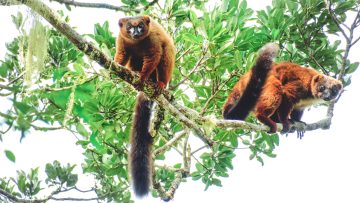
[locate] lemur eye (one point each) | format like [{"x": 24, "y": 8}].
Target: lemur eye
[
  {"x": 128, "y": 27},
  {"x": 334, "y": 90},
  {"x": 321, "y": 88},
  {"x": 141, "y": 25}
]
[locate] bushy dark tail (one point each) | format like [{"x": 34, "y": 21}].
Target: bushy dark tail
[
  {"x": 239, "y": 109},
  {"x": 141, "y": 143}
]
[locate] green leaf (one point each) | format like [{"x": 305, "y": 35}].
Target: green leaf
[
  {"x": 205, "y": 155},
  {"x": 23, "y": 107},
  {"x": 10, "y": 155},
  {"x": 216, "y": 182},
  {"x": 81, "y": 129},
  {"x": 196, "y": 175},
  {"x": 72, "y": 180},
  {"x": 199, "y": 167},
  {"x": 352, "y": 67},
  {"x": 275, "y": 139},
  {"x": 21, "y": 182},
  {"x": 259, "y": 159},
  {"x": 246, "y": 142},
  {"x": 113, "y": 171},
  {"x": 50, "y": 171},
  {"x": 17, "y": 20},
  {"x": 238, "y": 58},
  {"x": 95, "y": 142},
  {"x": 275, "y": 34},
  {"x": 233, "y": 140},
  {"x": 160, "y": 157},
  {"x": 252, "y": 156},
  {"x": 178, "y": 166}
]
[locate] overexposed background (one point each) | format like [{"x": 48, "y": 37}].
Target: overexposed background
[{"x": 322, "y": 167}]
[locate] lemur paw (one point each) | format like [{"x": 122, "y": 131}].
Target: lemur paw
[{"x": 139, "y": 86}]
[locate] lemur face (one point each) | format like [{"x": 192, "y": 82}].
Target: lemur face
[
  {"x": 325, "y": 87},
  {"x": 135, "y": 28},
  {"x": 135, "y": 31}
]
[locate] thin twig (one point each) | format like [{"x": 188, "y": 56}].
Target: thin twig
[
  {"x": 217, "y": 91},
  {"x": 180, "y": 174},
  {"x": 41, "y": 128},
  {"x": 197, "y": 65},
  {"x": 185, "y": 52},
  {"x": 306, "y": 42},
  {"x": 355, "y": 41},
  {"x": 69, "y": 87},
  {"x": 198, "y": 149},
  {"x": 169, "y": 143},
  {"x": 150, "y": 4},
  {"x": 336, "y": 21},
  {"x": 96, "y": 5}
]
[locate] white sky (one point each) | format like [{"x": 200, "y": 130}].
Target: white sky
[{"x": 322, "y": 167}]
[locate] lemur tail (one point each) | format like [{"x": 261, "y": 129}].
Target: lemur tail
[
  {"x": 141, "y": 143},
  {"x": 240, "y": 108}
]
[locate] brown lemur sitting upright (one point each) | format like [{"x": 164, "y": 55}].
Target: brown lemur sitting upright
[
  {"x": 278, "y": 91},
  {"x": 144, "y": 46}
]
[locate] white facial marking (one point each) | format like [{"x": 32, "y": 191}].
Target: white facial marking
[{"x": 132, "y": 30}]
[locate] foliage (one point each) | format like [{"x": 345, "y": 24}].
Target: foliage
[{"x": 214, "y": 47}]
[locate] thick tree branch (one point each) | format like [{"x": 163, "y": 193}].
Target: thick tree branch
[
  {"x": 157, "y": 120},
  {"x": 175, "y": 112},
  {"x": 15, "y": 199}
]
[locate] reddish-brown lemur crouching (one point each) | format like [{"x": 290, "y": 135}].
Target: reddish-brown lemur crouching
[{"x": 278, "y": 91}]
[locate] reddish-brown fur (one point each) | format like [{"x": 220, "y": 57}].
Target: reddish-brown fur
[
  {"x": 288, "y": 87},
  {"x": 153, "y": 51}
]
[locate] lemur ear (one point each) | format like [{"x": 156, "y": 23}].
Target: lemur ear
[
  {"x": 147, "y": 19},
  {"x": 121, "y": 22},
  {"x": 317, "y": 78}
]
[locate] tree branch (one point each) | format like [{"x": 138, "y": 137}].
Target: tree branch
[
  {"x": 181, "y": 117},
  {"x": 355, "y": 41},
  {"x": 41, "y": 128},
  {"x": 349, "y": 37},
  {"x": 69, "y": 87},
  {"x": 169, "y": 143},
  {"x": 336, "y": 21},
  {"x": 185, "y": 52},
  {"x": 96, "y": 5},
  {"x": 180, "y": 174},
  {"x": 150, "y": 4},
  {"x": 13, "y": 198},
  {"x": 157, "y": 120}
]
